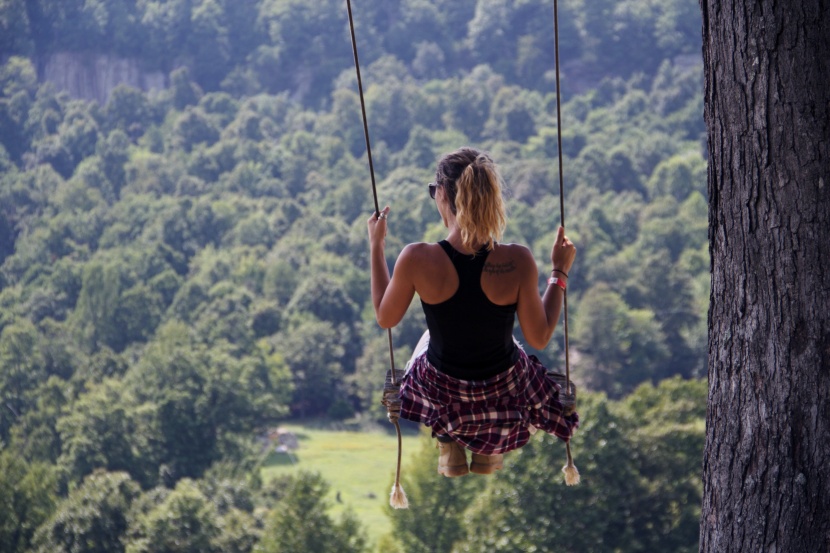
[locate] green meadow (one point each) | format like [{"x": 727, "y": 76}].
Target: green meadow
[{"x": 359, "y": 466}]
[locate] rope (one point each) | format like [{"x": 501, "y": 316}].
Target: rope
[
  {"x": 561, "y": 184},
  {"x": 391, "y": 400},
  {"x": 368, "y": 143},
  {"x": 571, "y": 473},
  {"x": 363, "y": 107}
]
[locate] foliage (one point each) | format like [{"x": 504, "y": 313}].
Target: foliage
[
  {"x": 274, "y": 45},
  {"x": 299, "y": 522},
  {"x": 184, "y": 522},
  {"x": 27, "y": 497},
  {"x": 91, "y": 518},
  {"x": 639, "y": 460}
]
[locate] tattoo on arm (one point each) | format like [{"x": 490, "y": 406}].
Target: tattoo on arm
[{"x": 499, "y": 268}]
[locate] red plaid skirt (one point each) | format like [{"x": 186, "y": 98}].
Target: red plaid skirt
[{"x": 486, "y": 416}]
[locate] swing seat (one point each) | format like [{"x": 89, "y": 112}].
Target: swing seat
[{"x": 567, "y": 395}]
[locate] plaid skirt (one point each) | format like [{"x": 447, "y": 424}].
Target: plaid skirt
[{"x": 486, "y": 416}]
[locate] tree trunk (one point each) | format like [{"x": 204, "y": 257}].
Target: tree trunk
[{"x": 767, "y": 108}]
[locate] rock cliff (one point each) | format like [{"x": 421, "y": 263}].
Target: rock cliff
[{"x": 94, "y": 76}]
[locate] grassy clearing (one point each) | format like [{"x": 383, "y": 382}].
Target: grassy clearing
[{"x": 359, "y": 465}]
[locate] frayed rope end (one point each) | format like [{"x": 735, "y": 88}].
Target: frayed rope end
[
  {"x": 397, "y": 499},
  {"x": 571, "y": 474}
]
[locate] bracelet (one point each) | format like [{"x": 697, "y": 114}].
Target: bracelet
[
  {"x": 560, "y": 271},
  {"x": 557, "y": 281}
]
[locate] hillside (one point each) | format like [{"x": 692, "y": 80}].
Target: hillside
[{"x": 183, "y": 261}]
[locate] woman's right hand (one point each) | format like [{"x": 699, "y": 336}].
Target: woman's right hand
[
  {"x": 377, "y": 227},
  {"x": 563, "y": 252}
]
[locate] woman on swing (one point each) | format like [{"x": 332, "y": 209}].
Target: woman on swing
[{"x": 468, "y": 379}]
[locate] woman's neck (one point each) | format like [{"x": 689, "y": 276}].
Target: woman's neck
[{"x": 454, "y": 238}]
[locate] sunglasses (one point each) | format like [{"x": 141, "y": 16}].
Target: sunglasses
[{"x": 432, "y": 187}]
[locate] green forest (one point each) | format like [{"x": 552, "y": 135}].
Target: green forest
[{"x": 183, "y": 269}]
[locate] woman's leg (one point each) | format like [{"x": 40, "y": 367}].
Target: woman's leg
[
  {"x": 486, "y": 464},
  {"x": 452, "y": 458}
]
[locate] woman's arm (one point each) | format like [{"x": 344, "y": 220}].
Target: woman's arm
[
  {"x": 538, "y": 317},
  {"x": 390, "y": 296}
]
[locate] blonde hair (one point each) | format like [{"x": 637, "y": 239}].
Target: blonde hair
[{"x": 473, "y": 185}]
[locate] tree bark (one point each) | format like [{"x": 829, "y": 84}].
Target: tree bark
[{"x": 767, "y": 109}]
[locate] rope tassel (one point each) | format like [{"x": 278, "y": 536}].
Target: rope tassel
[
  {"x": 570, "y": 470},
  {"x": 397, "y": 499}
]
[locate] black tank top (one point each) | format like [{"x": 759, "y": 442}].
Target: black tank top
[{"x": 470, "y": 337}]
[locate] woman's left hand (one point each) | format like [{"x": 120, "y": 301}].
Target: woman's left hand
[{"x": 377, "y": 227}]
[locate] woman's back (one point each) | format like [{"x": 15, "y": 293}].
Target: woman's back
[
  {"x": 471, "y": 337},
  {"x": 436, "y": 280}
]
